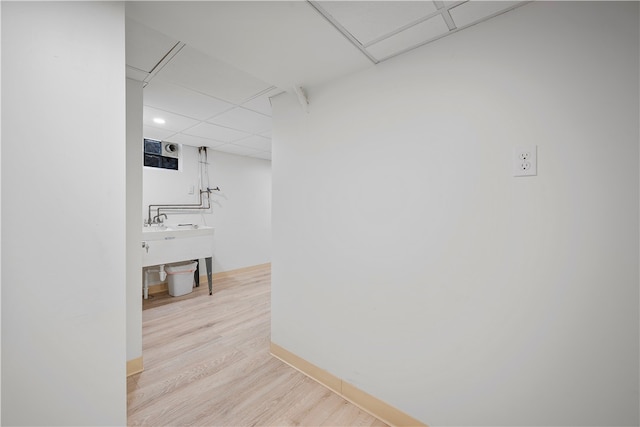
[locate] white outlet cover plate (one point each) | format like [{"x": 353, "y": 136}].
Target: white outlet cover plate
[{"x": 525, "y": 161}]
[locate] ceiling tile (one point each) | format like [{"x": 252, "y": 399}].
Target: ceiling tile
[
  {"x": 257, "y": 142},
  {"x": 266, "y": 155},
  {"x": 205, "y": 74},
  {"x": 369, "y": 20},
  {"x": 236, "y": 149},
  {"x": 448, "y": 4},
  {"x": 155, "y": 133},
  {"x": 473, "y": 11},
  {"x": 218, "y": 133},
  {"x": 409, "y": 38},
  {"x": 173, "y": 122},
  {"x": 281, "y": 42},
  {"x": 145, "y": 47},
  {"x": 262, "y": 103},
  {"x": 243, "y": 119},
  {"x": 194, "y": 141},
  {"x": 169, "y": 97}
]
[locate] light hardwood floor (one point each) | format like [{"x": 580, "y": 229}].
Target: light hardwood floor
[{"x": 207, "y": 362}]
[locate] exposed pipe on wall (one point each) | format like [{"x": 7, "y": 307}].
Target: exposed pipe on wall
[{"x": 205, "y": 203}]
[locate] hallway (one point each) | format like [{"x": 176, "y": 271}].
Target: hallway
[{"x": 207, "y": 362}]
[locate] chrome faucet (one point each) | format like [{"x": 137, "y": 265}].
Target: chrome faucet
[{"x": 157, "y": 220}]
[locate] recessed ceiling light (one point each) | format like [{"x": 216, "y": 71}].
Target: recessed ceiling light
[{"x": 158, "y": 120}]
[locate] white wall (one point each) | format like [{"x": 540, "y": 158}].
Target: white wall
[
  {"x": 409, "y": 262},
  {"x": 241, "y": 213},
  {"x": 134, "y": 231},
  {"x": 63, "y": 201},
  {"x": 0, "y": 213}
]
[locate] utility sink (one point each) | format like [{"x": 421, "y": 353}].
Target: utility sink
[{"x": 162, "y": 244}]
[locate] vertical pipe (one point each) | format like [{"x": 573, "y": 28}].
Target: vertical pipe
[{"x": 146, "y": 283}]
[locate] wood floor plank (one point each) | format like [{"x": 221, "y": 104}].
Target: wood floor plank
[{"x": 207, "y": 363}]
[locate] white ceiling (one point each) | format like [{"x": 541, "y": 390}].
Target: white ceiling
[{"x": 209, "y": 67}]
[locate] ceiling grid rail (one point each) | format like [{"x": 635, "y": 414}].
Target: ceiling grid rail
[
  {"x": 442, "y": 9},
  {"x": 164, "y": 61},
  {"x": 342, "y": 30}
]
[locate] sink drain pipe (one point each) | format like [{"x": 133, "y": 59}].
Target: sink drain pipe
[{"x": 147, "y": 270}]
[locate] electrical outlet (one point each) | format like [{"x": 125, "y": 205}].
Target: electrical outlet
[
  {"x": 190, "y": 190},
  {"x": 525, "y": 161}
]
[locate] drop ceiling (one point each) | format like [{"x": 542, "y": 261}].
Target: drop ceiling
[{"x": 210, "y": 67}]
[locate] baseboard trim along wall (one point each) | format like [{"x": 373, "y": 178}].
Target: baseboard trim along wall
[
  {"x": 365, "y": 401},
  {"x": 159, "y": 288},
  {"x": 134, "y": 366},
  {"x": 223, "y": 274}
]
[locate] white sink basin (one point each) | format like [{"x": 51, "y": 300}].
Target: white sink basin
[
  {"x": 162, "y": 244},
  {"x": 166, "y": 232}
]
